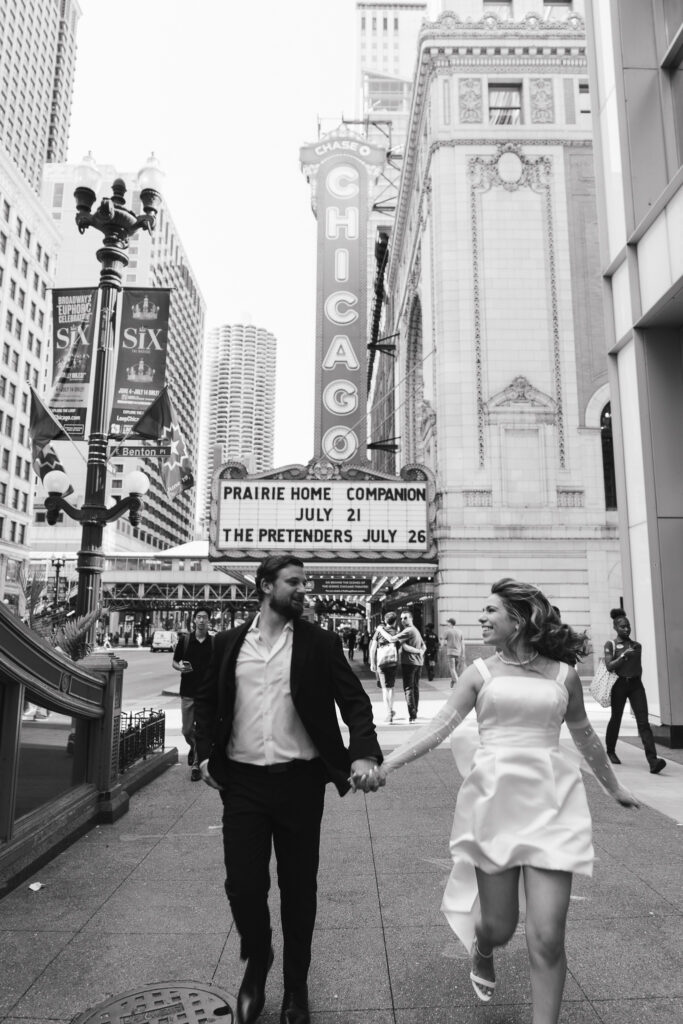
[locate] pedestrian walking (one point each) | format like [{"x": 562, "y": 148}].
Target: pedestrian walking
[
  {"x": 351, "y": 643},
  {"x": 384, "y": 661},
  {"x": 431, "y": 655},
  {"x": 521, "y": 813},
  {"x": 364, "y": 644},
  {"x": 412, "y": 657},
  {"x": 455, "y": 651},
  {"x": 191, "y": 658},
  {"x": 624, "y": 656},
  {"x": 138, "y": 639},
  {"x": 268, "y": 737}
]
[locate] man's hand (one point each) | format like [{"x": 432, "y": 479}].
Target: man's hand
[
  {"x": 366, "y": 775},
  {"x": 204, "y": 769}
]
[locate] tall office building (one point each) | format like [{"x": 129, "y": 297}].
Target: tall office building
[
  {"x": 156, "y": 260},
  {"x": 636, "y": 62},
  {"x": 240, "y": 414},
  {"x": 37, "y": 57},
  {"x": 37, "y": 51},
  {"x": 386, "y": 46}
]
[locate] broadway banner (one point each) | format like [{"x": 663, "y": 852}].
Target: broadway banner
[
  {"x": 73, "y": 320},
  {"x": 142, "y": 347}
]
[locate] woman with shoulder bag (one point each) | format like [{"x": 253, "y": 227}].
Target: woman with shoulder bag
[
  {"x": 384, "y": 661},
  {"x": 623, "y": 656}
]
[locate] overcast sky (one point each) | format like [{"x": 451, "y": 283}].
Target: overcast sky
[{"x": 225, "y": 93}]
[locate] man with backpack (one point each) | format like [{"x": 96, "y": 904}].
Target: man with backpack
[{"x": 191, "y": 658}]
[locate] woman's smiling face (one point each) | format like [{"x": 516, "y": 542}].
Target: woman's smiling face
[{"x": 497, "y": 625}]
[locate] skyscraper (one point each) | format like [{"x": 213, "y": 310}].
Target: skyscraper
[
  {"x": 240, "y": 415},
  {"x": 37, "y": 51},
  {"x": 37, "y": 57},
  {"x": 387, "y": 39},
  {"x": 156, "y": 260}
]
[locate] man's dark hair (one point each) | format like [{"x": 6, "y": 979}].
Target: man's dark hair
[
  {"x": 270, "y": 567},
  {"x": 199, "y": 610}
]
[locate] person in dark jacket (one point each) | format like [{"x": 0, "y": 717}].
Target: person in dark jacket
[
  {"x": 268, "y": 737},
  {"x": 623, "y": 656}
]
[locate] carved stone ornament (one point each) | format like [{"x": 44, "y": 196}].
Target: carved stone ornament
[
  {"x": 520, "y": 396},
  {"x": 471, "y": 105},
  {"x": 542, "y": 103}
]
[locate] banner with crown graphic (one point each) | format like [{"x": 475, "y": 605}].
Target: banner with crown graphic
[
  {"x": 73, "y": 336},
  {"x": 141, "y": 362}
]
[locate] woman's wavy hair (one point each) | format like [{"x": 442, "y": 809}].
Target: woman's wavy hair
[{"x": 539, "y": 623}]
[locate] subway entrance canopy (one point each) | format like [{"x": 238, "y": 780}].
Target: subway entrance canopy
[{"x": 339, "y": 515}]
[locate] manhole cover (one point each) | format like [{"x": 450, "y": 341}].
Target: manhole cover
[{"x": 182, "y": 1002}]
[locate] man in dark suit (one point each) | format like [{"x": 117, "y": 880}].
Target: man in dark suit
[{"x": 267, "y": 736}]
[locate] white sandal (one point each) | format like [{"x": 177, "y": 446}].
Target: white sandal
[{"x": 483, "y": 988}]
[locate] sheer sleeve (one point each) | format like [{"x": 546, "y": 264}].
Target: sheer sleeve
[
  {"x": 429, "y": 736},
  {"x": 588, "y": 744}
]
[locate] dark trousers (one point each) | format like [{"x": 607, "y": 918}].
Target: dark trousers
[
  {"x": 264, "y": 810},
  {"x": 410, "y": 674},
  {"x": 633, "y": 691}
]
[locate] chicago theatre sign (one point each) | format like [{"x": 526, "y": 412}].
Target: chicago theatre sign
[{"x": 340, "y": 168}]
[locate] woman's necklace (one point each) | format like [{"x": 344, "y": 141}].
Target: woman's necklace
[{"x": 519, "y": 661}]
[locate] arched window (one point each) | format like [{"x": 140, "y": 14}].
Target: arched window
[{"x": 608, "y": 457}]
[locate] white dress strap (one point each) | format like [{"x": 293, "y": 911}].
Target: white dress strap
[
  {"x": 482, "y": 668},
  {"x": 562, "y": 672}
]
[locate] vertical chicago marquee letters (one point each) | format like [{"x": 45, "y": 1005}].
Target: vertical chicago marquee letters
[{"x": 340, "y": 165}]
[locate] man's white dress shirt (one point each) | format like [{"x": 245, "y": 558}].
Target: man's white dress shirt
[{"x": 266, "y": 727}]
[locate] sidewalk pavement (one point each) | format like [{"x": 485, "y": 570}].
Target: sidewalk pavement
[{"x": 138, "y": 903}]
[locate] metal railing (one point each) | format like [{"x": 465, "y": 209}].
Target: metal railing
[{"x": 141, "y": 733}]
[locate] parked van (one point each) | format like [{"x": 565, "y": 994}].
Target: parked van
[{"x": 164, "y": 640}]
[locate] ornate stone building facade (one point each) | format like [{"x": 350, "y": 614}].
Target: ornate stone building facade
[{"x": 499, "y": 380}]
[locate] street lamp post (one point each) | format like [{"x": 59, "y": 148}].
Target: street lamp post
[
  {"x": 117, "y": 225},
  {"x": 57, "y": 565}
]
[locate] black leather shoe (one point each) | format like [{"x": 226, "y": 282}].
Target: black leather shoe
[
  {"x": 295, "y": 1007},
  {"x": 613, "y": 757},
  {"x": 252, "y": 994},
  {"x": 657, "y": 766}
]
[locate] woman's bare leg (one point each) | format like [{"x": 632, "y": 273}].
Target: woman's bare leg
[
  {"x": 499, "y": 901},
  {"x": 547, "y": 903}
]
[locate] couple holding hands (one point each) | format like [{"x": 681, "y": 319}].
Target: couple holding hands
[{"x": 268, "y": 738}]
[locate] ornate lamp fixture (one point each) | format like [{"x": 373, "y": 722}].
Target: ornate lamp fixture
[{"x": 117, "y": 224}]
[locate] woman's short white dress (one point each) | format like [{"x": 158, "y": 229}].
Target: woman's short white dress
[{"x": 522, "y": 801}]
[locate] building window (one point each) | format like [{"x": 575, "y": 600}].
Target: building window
[
  {"x": 5, "y": 458},
  {"x": 554, "y": 10},
  {"x": 3, "y": 493},
  {"x": 502, "y": 10},
  {"x": 584, "y": 104},
  {"x": 5, "y": 210},
  {"x": 608, "y": 457},
  {"x": 505, "y": 104},
  {"x": 3, "y": 241}
]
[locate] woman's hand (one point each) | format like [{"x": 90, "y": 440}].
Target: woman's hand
[
  {"x": 626, "y": 798},
  {"x": 368, "y": 782}
]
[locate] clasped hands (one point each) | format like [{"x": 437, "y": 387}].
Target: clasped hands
[{"x": 367, "y": 776}]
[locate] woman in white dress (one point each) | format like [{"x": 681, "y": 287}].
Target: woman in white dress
[{"x": 522, "y": 825}]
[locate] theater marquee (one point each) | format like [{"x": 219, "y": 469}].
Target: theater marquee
[{"x": 346, "y": 516}]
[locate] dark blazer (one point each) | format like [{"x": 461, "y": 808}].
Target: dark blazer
[{"x": 320, "y": 679}]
